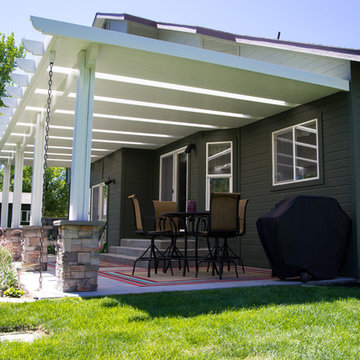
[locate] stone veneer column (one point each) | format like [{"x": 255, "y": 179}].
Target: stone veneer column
[
  {"x": 77, "y": 261},
  {"x": 31, "y": 248},
  {"x": 12, "y": 240}
]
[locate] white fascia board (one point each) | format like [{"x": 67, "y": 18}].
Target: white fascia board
[
  {"x": 59, "y": 28},
  {"x": 299, "y": 49}
]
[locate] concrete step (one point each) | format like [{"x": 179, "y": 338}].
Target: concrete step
[
  {"x": 127, "y": 254},
  {"x": 131, "y": 249},
  {"x": 123, "y": 260},
  {"x": 137, "y": 251},
  {"x": 117, "y": 259},
  {"x": 162, "y": 244},
  {"x": 145, "y": 242},
  {"x": 129, "y": 260}
]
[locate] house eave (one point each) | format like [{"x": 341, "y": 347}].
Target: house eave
[{"x": 101, "y": 36}]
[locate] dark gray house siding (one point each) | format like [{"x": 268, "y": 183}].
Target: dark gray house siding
[
  {"x": 137, "y": 171},
  {"x": 132, "y": 170},
  {"x": 105, "y": 169},
  {"x": 354, "y": 126},
  {"x": 256, "y": 164},
  {"x": 137, "y": 177}
]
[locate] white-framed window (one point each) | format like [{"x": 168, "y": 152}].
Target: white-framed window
[
  {"x": 25, "y": 217},
  {"x": 295, "y": 153},
  {"x": 219, "y": 168},
  {"x": 99, "y": 195}
]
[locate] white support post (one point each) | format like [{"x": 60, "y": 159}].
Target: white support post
[
  {"x": 81, "y": 152},
  {"x": 5, "y": 196},
  {"x": 18, "y": 178},
  {"x": 38, "y": 173}
]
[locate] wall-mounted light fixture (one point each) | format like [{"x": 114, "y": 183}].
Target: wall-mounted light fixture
[
  {"x": 109, "y": 181},
  {"x": 190, "y": 147}
]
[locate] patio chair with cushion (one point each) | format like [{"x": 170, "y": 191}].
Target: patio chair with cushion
[
  {"x": 229, "y": 253},
  {"x": 164, "y": 223},
  {"x": 223, "y": 223},
  {"x": 152, "y": 253}
]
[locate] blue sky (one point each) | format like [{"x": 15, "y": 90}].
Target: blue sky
[{"x": 325, "y": 22}]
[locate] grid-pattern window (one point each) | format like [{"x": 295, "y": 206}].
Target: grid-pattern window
[
  {"x": 296, "y": 153},
  {"x": 218, "y": 168}
]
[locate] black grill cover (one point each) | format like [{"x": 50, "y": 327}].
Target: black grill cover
[{"x": 305, "y": 233}]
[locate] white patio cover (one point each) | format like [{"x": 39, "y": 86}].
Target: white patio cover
[{"x": 147, "y": 93}]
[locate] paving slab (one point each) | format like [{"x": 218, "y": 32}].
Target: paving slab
[{"x": 25, "y": 336}]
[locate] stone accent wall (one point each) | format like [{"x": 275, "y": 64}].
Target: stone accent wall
[
  {"x": 77, "y": 261},
  {"x": 31, "y": 250},
  {"x": 12, "y": 240}
]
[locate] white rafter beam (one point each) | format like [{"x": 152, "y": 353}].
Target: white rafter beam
[
  {"x": 20, "y": 79},
  {"x": 6, "y": 111},
  {"x": 4, "y": 119},
  {"x": 28, "y": 65},
  {"x": 43, "y": 64},
  {"x": 33, "y": 46},
  {"x": 10, "y": 102},
  {"x": 16, "y": 92}
]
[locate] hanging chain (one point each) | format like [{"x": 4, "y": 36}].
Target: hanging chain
[{"x": 46, "y": 146}]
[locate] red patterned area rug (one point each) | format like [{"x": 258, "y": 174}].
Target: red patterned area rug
[{"x": 123, "y": 274}]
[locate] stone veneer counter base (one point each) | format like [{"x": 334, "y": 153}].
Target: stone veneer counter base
[{"x": 77, "y": 261}]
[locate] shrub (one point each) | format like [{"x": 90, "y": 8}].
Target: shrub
[
  {"x": 51, "y": 249},
  {"x": 8, "y": 275},
  {"x": 13, "y": 292}
]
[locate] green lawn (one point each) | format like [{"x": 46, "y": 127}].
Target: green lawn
[{"x": 290, "y": 322}]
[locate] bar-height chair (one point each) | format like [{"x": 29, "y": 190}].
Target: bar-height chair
[
  {"x": 229, "y": 253},
  {"x": 223, "y": 223},
  {"x": 152, "y": 253},
  {"x": 164, "y": 223},
  {"x": 170, "y": 225}
]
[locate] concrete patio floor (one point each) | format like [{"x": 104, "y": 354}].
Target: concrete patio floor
[{"x": 111, "y": 286}]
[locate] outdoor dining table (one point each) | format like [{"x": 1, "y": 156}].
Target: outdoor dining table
[{"x": 191, "y": 221}]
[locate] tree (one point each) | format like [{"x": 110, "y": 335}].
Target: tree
[
  {"x": 56, "y": 193},
  {"x": 27, "y": 176},
  {"x": 56, "y": 189},
  {"x": 8, "y": 53}
]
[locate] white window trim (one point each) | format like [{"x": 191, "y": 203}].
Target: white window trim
[
  {"x": 100, "y": 199},
  {"x": 174, "y": 153},
  {"x": 301, "y": 126},
  {"x": 28, "y": 213},
  {"x": 213, "y": 176}
]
